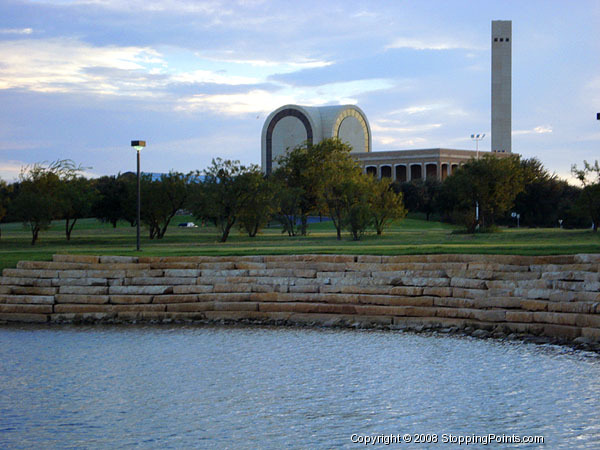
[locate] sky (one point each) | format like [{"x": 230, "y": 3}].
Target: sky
[{"x": 80, "y": 79}]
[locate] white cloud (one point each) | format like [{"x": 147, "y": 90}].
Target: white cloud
[
  {"x": 67, "y": 65},
  {"x": 431, "y": 43},
  {"x": 16, "y": 30},
  {"x": 541, "y": 129},
  {"x": 10, "y": 170}
]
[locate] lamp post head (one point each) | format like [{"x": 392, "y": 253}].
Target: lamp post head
[
  {"x": 597, "y": 116},
  {"x": 138, "y": 145}
]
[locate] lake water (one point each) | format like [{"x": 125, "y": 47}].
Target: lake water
[{"x": 262, "y": 387}]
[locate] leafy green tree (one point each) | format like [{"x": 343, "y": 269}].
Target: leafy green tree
[
  {"x": 161, "y": 199},
  {"x": 116, "y": 199},
  {"x": 224, "y": 194},
  {"x": 287, "y": 202},
  {"x": 420, "y": 195},
  {"x": 299, "y": 170},
  {"x": 385, "y": 204},
  {"x": 357, "y": 215},
  {"x": 38, "y": 200},
  {"x": 4, "y": 200},
  {"x": 341, "y": 180},
  {"x": 75, "y": 199},
  {"x": 492, "y": 182},
  {"x": 261, "y": 205},
  {"x": 589, "y": 176}
]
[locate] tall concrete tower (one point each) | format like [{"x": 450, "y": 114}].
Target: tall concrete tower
[{"x": 501, "y": 85}]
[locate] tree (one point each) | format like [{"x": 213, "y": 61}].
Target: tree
[
  {"x": 340, "y": 178},
  {"x": 385, "y": 204},
  {"x": 492, "y": 182},
  {"x": 300, "y": 171},
  {"x": 420, "y": 195},
  {"x": 589, "y": 176},
  {"x": 38, "y": 201},
  {"x": 75, "y": 199},
  {"x": 161, "y": 199},
  {"x": 261, "y": 206},
  {"x": 116, "y": 199},
  {"x": 4, "y": 199},
  {"x": 224, "y": 194}
]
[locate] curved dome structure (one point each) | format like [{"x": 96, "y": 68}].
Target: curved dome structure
[{"x": 291, "y": 125}]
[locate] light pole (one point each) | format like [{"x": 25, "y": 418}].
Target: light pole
[
  {"x": 138, "y": 145},
  {"x": 477, "y": 137}
]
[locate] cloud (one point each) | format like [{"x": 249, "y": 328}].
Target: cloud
[
  {"x": 16, "y": 30},
  {"x": 10, "y": 170},
  {"x": 65, "y": 65},
  {"x": 541, "y": 129},
  {"x": 431, "y": 44}
]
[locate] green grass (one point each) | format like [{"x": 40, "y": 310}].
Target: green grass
[{"x": 410, "y": 236}]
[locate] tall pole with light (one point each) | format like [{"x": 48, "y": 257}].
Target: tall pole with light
[
  {"x": 477, "y": 137},
  {"x": 138, "y": 145}
]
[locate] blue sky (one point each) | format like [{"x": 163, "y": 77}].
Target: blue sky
[{"x": 196, "y": 79}]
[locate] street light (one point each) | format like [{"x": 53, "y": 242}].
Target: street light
[
  {"x": 138, "y": 145},
  {"x": 477, "y": 138}
]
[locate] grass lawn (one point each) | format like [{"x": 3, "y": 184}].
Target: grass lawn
[{"x": 410, "y": 236}]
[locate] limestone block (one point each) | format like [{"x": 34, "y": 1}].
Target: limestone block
[
  {"x": 190, "y": 307},
  {"x": 369, "y": 259},
  {"x": 555, "y": 318},
  {"x": 501, "y": 284},
  {"x": 32, "y": 290},
  {"x": 192, "y": 289},
  {"x": 408, "y": 291},
  {"x": 497, "y": 302},
  {"x": 495, "y": 267},
  {"x": 180, "y": 298},
  {"x": 77, "y": 273},
  {"x": 86, "y": 299},
  {"x": 249, "y": 265},
  {"x": 490, "y": 315},
  {"x": 30, "y": 273},
  {"x": 225, "y": 297},
  {"x": 239, "y": 287},
  {"x": 79, "y": 282},
  {"x": 265, "y": 296},
  {"x": 84, "y": 290},
  {"x": 308, "y": 288},
  {"x": 562, "y": 331},
  {"x": 211, "y": 280},
  {"x": 524, "y": 327},
  {"x": 49, "y": 265},
  {"x": 438, "y": 291},
  {"x": 573, "y": 296},
  {"x": 591, "y": 333},
  {"x": 27, "y": 299},
  {"x": 591, "y": 258},
  {"x": 423, "y": 282},
  {"x": 534, "y": 305},
  {"x": 156, "y": 281},
  {"x": 590, "y": 286},
  {"x": 145, "y": 273},
  {"x": 571, "y": 307},
  {"x": 535, "y": 284},
  {"x": 118, "y": 259},
  {"x": 587, "y": 320},
  {"x": 468, "y": 283},
  {"x": 453, "y": 302},
  {"x": 130, "y": 299},
  {"x": 23, "y": 317},
  {"x": 219, "y": 266},
  {"x": 224, "y": 273},
  {"x": 139, "y": 308},
  {"x": 464, "y": 313},
  {"x": 140, "y": 290},
  {"x": 106, "y": 273},
  {"x": 534, "y": 293},
  {"x": 571, "y": 275},
  {"x": 28, "y": 309},
  {"x": 516, "y": 275},
  {"x": 469, "y": 293},
  {"x": 519, "y": 316},
  {"x": 13, "y": 289},
  {"x": 181, "y": 273},
  {"x": 76, "y": 258},
  {"x": 173, "y": 265},
  {"x": 234, "y": 315},
  {"x": 68, "y": 308}
]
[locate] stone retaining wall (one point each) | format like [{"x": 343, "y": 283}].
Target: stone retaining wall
[{"x": 556, "y": 296}]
